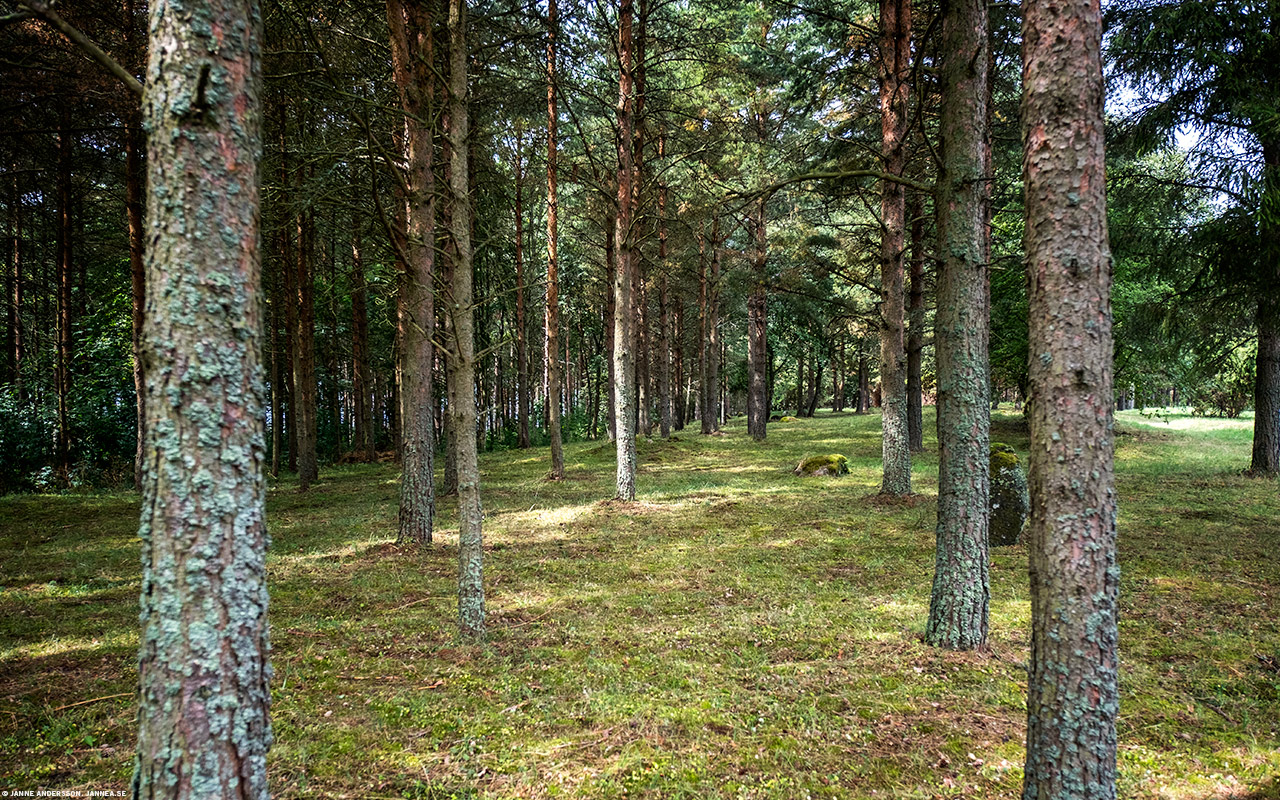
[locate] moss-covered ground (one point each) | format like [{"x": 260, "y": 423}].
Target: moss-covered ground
[{"x": 738, "y": 632}]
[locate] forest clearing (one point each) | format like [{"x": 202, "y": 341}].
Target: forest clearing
[
  {"x": 736, "y": 632},
  {"x": 498, "y": 311}
]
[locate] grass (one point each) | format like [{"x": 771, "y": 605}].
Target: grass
[{"x": 738, "y": 632}]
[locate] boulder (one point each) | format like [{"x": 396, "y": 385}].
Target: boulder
[
  {"x": 833, "y": 464},
  {"x": 1010, "y": 501}
]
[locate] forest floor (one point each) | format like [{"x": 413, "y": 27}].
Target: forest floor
[{"x": 738, "y": 632}]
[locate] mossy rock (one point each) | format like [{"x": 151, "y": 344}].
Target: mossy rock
[
  {"x": 786, "y": 419},
  {"x": 1010, "y": 501},
  {"x": 833, "y": 464}
]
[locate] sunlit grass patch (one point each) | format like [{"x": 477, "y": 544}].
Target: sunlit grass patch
[{"x": 735, "y": 632}]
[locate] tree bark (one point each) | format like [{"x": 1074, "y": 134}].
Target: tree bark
[
  {"x": 462, "y": 361},
  {"x": 958, "y": 607},
  {"x": 134, "y": 187},
  {"x": 552, "y": 316},
  {"x": 277, "y": 387},
  {"x": 17, "y": 338},
  {"x": 610, "y": 317},
  {"x": 361, "y": 370},
  {"x": 1072, "y": 697},
  {"x": 1266, "y": 394},
  {"x": 895, "y": 68},
  {"x": 624, "y": 391},
  {"x": 203, "y": 727},
  {"x": 522, "y": 322},
  {"x": 66, "y": 282},
  {"x": 413, "y": 67},
  {"x": 304, "y": 352},
  {"x": 757, "y": 341},
  {"x": 915, "y": 329},
  {"x": 289, "y": 280},
  {"x": 711, "y": 339}
]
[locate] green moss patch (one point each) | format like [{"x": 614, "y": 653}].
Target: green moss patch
[{"x": 834, "y": 464}]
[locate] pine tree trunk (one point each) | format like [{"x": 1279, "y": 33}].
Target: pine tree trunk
[
  {"x": 611, "y": 317},
  {"x": 133, "y": 191},
  {"x": 958, "y": 608},
  {"x": 304, "y": 352},
  {"x": 15, "y": 290},
  {"x": 413, "y": 67},
  {"x": 290, "y": 304},
  {"x": 915, "y": 330},
  {"x": 895, "y": 67},
  {"x": 757, "y": 345},
  {"x": 203, "y": 727},
  {"x": 65, "y": 280},
  {"x": 624, "y": 391},
  {"x": 522, "y": 322},
  {"x": 1072, "y": 697},
  {"x": 704, "y": 327},
  {"x": 462, "y": 361},
  {"x": 361, "y": 371},
  {"x": 277, "y": 389},
  {"x": 1266, "y": 394},
  {"x": 552, "y": 318},
  {"x": 644, "y": 397},
  {"x": 664, "y": 353}
]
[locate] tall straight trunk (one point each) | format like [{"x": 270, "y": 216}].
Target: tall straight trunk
[
  {"x": 815, "y": 385},
  {"x": 915, "y": 329},
  {"x": 611, "y": 316},
  {"x": 413, "y": 68},
  {"x": 895, "y": 69},
  {"x": 624, "y": 391},
  {"x": 331, "y": 364},
  {"x": 552, "y": 315},
  {"x": 713, "y": 343},
  {"x": 666, "y": 409},
  {"x": 679, "y": 397},
  {"x": 1266, "y": 394},
  {"x": 361, "y": 371},
  {"x": 864, "y": 380},
  {"x": 838, "y": 379},
  {"x": 640, "y": 327},
  {"x": 522, "y": 322},
  {"x": 203, "y": 727},
  {"x": 66, "y": 282},
  {"x": 289, "y": 283},
  {"x": 17, "y": 343},
  {"x": 277, "y": 389},
  {"x": 757, "y": 342},
  {"x": 462, "y": 361},
  {"x": 800, "y": 385},
  {"x": 304, "y": 351},
  {"x": 1072, "y": 696},
  {"x": 958, "y": 608},
  {"x": 134, "y": 187},
  {"x": 704, "y": 316},
  {"x": 664, "y": 357}
]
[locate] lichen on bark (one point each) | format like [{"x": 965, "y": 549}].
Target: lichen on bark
[
  {"x": 1072, "y": 688},
  {"x": 961, "y": 595},
  {"x": 204, "y": 671}
]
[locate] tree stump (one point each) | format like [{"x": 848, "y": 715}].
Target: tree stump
[{"x": 1010, "y": 501}]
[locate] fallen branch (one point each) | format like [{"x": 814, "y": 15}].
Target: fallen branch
[{"x": 94, "y": 700}]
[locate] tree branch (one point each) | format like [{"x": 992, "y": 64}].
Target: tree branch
[{"x": 45, "y": 11}]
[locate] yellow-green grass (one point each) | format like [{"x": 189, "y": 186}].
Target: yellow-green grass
[{"x": 738, "y": 632}]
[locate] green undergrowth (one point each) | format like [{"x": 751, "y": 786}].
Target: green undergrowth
[{"x": 737, "y": 632}]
